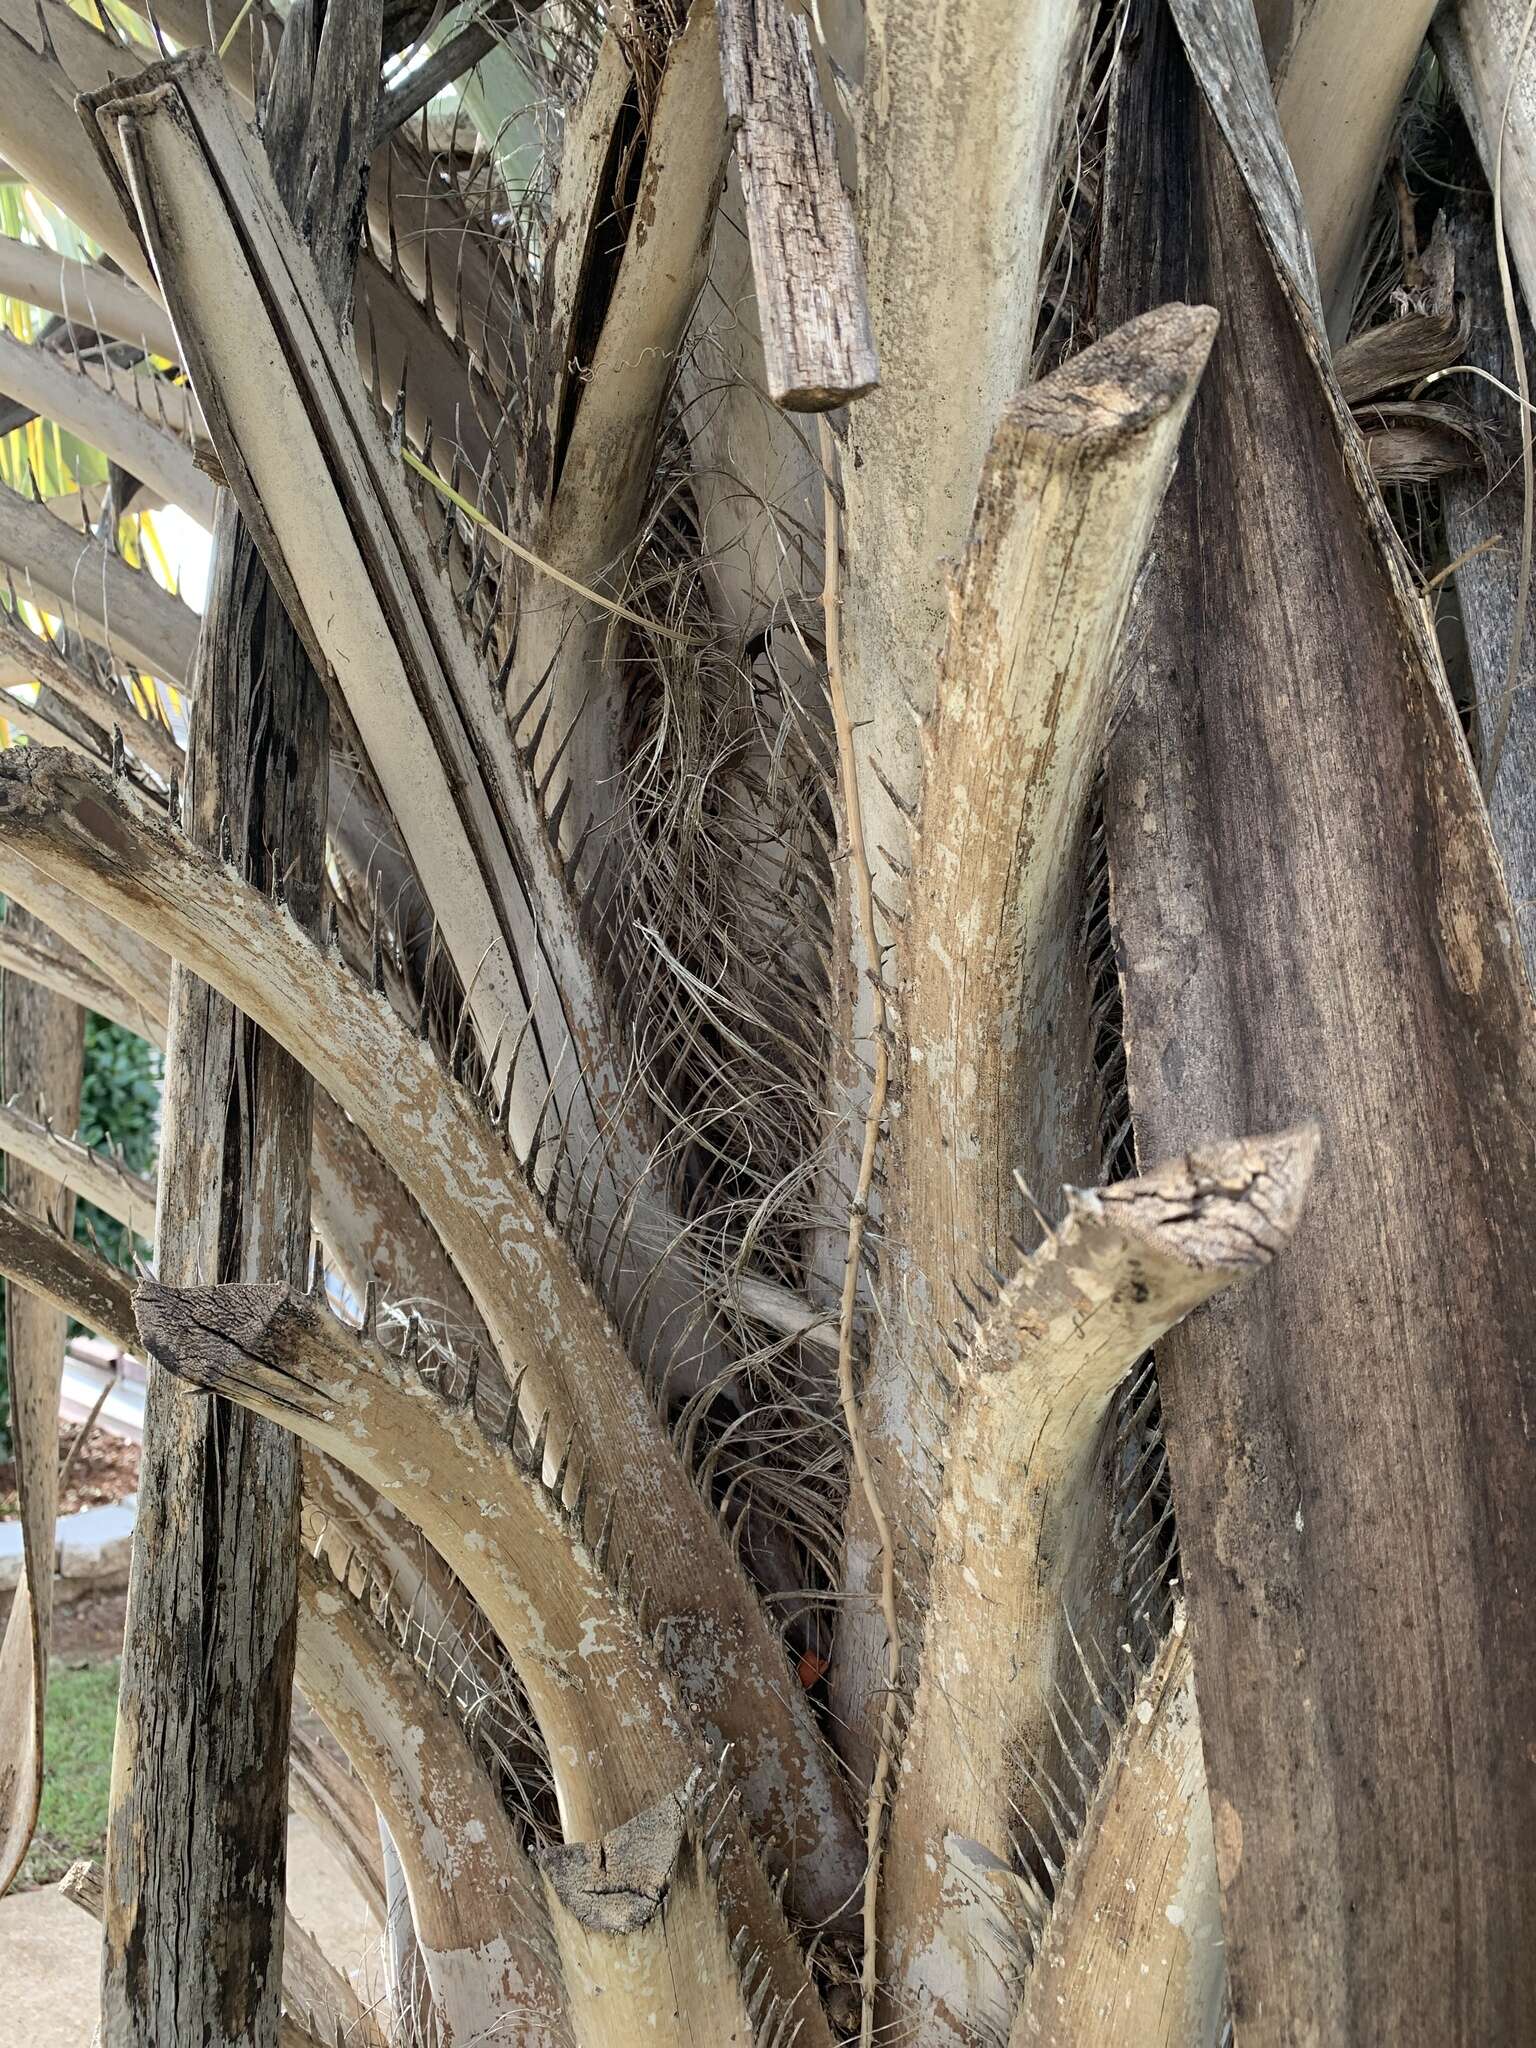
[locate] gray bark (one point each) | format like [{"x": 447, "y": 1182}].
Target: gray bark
[{"x": 195, "y": 1860}]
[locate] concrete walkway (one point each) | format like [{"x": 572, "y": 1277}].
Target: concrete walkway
[{"x": 50, "y": 1951}]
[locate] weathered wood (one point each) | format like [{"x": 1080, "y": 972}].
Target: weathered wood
[
  {"x": 1017, "y": 1512},
  {"x": 42, "y": 1042},
  {"x": 331, "y": 2010},
  {"x": 646, "y": 1951},
  {"x": 1476, "y": 42},
  {"x": 69, "y": 1278},
  {"x": 39, "y": 1147},
  {"x": 1311, "y": 919},
  {"x": 196, "y": 1844},
  {"x": 818, "y": 344},
  {"x": 1480, "y": 508},
  {"x": 39, "y": 135},
  {"x": 86, "y": 293},
  {"x": 53, "y": 963}
]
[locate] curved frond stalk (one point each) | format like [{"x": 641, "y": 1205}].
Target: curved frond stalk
[
  {"x": 324, "y": 491},
  {"x": 992, "y": 993},
  {"x": 34, "y": 724},
  {"x": 58, "y": 965},
  {"x": 524, "y": 1550},
  {"x": 40, "y": 136},
  {"x": 334, "y": 1802},
  {"x": 126, "y": 1196},
  {"x": 646, "y": 1951},
  {"x": 75, "y": 1281},
  {"x": 86, "y": 293},
  {"x": 366, "y": 1221},
  {"x": 1339, "y": 68},
  {"x": 145, "y": 447},
  {"x": 78, "y": 576},
  {"x": 1129, "y": 1261},
  {"x": 476, "y": 1904},
  {"x": 1133, "y": 1954},
  {"x": 97, "y": 839},
  {"x": 45, "y": 661},
  {"x": 554, "y": 1563}
]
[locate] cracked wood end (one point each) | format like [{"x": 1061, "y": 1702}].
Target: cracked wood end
[{"x": 818, "y": 338}]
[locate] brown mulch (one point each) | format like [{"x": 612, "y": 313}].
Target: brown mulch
[{"x": 107, "y": 1470}]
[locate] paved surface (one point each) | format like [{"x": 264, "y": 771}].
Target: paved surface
[{"x": 50, "y": 1950}]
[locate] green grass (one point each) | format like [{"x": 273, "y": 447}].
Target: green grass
[{"x": 77, "y": 1770}]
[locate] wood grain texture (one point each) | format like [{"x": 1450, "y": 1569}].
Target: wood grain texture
[
  {"x": 196, "y": 1846},
  {"x": 1311, "y": 920},
  {"x": 1479, "y": 508},
  {"x": 818, "y": 343}
]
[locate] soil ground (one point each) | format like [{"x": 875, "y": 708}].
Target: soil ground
[{"x": 107, "y": 1470}]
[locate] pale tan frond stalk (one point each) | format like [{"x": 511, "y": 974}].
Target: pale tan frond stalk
[
  {"x": 126, "y": 1196},
  {"x": 146, "y": 448},
  {"x": 618, "y": 1734},
  {"x": 46, "y": 662},
  {"x": 1127, "y": 1263},
  {"x": 39, "y": 134},
  {"x": 993, "y": 996},
  {"x": 323, "y": 493},
  {"x": 960, "y": 110},
  {"x": 1133, "y": 1954},
  {"x": 70, "y": 970},
  {"x": 1339, "y": 68},
  {"x": 85, "y": 293},
  {"x": 602, "y": 416},
  {"x": 123, "y": 610},
  {"x": 475, "y": 1901},
  {"x": 646, "y": 1951},
  {"x": 363, "y": 1216},
  {"x": 69, "y": 1278},
  {"x": 73, "y": 824}
]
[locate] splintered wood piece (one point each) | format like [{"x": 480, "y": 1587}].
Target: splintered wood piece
[{"x": 818, "y": 341}]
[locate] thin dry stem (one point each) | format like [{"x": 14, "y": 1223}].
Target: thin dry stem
[{"x": 857, "y": 1215}]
